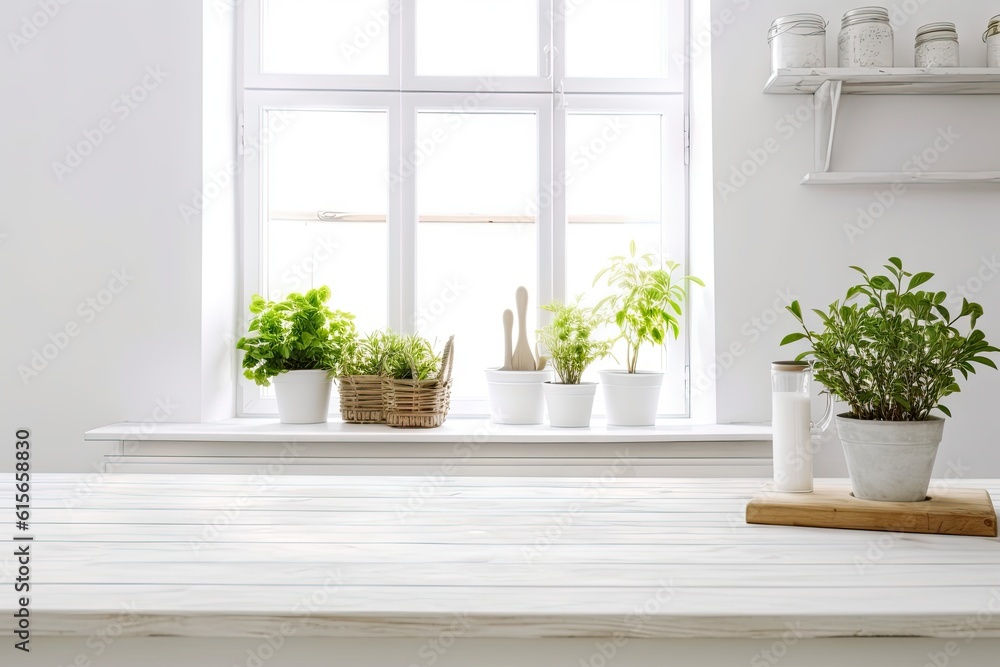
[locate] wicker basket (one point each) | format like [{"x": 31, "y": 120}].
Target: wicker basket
[
  {"x": 361, "y": 399},
  {"x": 420, "y": 403}
]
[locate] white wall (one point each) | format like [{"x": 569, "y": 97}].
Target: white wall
[
  {"x": 156, "y": 343},
  {"x": 773, "y": 234},
  {"x": 140, "y": 358}
]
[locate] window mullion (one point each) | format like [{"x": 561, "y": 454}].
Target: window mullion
[
  {"x": 405, "y": 236},
  {"x": 559, "y": 184}
]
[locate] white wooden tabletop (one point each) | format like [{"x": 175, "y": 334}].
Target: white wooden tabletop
[{"x": 226, "y": 555}]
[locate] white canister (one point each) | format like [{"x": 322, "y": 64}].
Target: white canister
[
  {"x": 797, "y": 40},
  {"x": 992, "y": 39},
  {"x": 865, "y": 38},
  {"x": 936, "y": 46}
]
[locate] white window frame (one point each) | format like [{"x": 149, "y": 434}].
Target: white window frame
[{"x": 402, "y": 94}]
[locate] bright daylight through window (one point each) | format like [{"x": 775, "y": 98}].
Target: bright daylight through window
[{"x": 424, "y": 158}]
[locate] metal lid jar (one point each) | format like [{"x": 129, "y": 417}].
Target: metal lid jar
[
  {"x": 992, "y": 39},
  {"x": 936, "y": 45},
  {"x": 797, "y": 40},
  {"x": 865, "y": 38}
]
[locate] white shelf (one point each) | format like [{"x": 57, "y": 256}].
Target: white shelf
[
  {"x": 828, "y": 84},
  {"x": 251, "y": 429},
  {"x": 888, "y": 81},
  {"x": 893, "y": 177}
]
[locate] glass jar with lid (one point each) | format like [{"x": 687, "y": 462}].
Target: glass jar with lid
[
  {"x": 936, "y": 45},
  {"x": 865, "y": 38},
  {"x": 992, "y": 39},
  {"x": 797, "y": 40}
]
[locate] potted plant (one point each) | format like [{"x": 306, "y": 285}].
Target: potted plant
[
  {"x": 416, "y": 389},
  {"x": 363, "y": 364},
  {"x": 891, "y": 352},
  {"x": 298, "y": 343},
  {"x": 571, "y": 348},
  {"x": 646, "y": 307}
]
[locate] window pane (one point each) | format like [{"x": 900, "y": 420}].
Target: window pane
[
  {"x": 477, "y": 37},
  {"x": 613, "y": 195},
  {"x": 616, "y": 38},
  {"x": 483, "y": 167},
  {"x": 333, "y": 162},
  {"x": 325, "y": 37}
]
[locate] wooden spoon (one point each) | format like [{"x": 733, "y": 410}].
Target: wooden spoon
[
  {"x": 508, "y": 330},
  {"x": 522, "y": 359}
]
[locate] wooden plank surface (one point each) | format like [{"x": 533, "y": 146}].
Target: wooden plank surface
[
  {"x": 947, "y": 511},
  {"x": 226, "y": 555}
]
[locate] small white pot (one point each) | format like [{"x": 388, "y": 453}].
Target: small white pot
[
  {"x": 570, "y": 405},
  {"x": 890, "y": 461},
  {"x": 516, "y": 396},
  {"x": 631, "y": 399},
  {"x": 303, "y": 396}
]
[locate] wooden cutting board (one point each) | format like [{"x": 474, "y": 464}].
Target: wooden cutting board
[{"x": 948, "y": 511}]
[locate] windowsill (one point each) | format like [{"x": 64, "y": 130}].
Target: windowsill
[{"x": 455, "y": 430}]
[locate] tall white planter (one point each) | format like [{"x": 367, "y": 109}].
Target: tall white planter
[
  {"x": 631, "y": 399},
  {"x": 303, "y": 396},
  {"x": 570, "y": 405},
  {"x": 516, "y": 396},
  {"x": 890, "y": 461}
]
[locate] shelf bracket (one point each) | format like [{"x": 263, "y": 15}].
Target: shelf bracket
[{"x": 827, "y": 102}]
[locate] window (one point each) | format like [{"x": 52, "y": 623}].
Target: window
[{"x": 426, "y": 157}]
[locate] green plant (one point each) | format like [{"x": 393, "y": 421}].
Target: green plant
[
  {"x": 299, "y": 333},
  {"x": 889, "y": 352},
  {"x": 412, "y": 358},
  {"x": 568, "y": 340},
  {"x": 370, "y": 355},
  {"x": 647, "y": 301}
]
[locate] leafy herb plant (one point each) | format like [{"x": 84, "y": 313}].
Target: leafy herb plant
[
  {"x": 299, "y": 333},
  {"x": 370, "y": 355},
  {"x": 568, "y": 338},
  {"x": 412, "y": 358},
  {"x": 647, "y": 301},
  {"x": 890, "y": 350}
]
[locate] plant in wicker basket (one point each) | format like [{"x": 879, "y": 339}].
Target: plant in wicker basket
[
  {"x": 360, "y": 380},
  {"x": 416, "y": 391}
]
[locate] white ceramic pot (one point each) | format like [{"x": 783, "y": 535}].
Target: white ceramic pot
[
  {"x": 631, "y": 399},
  {"x": 516, "y": 396},
  {"x": 570, "y": 405},
  {"x": 890, "y": 461},
  {"x": 303, "y": 396}
]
